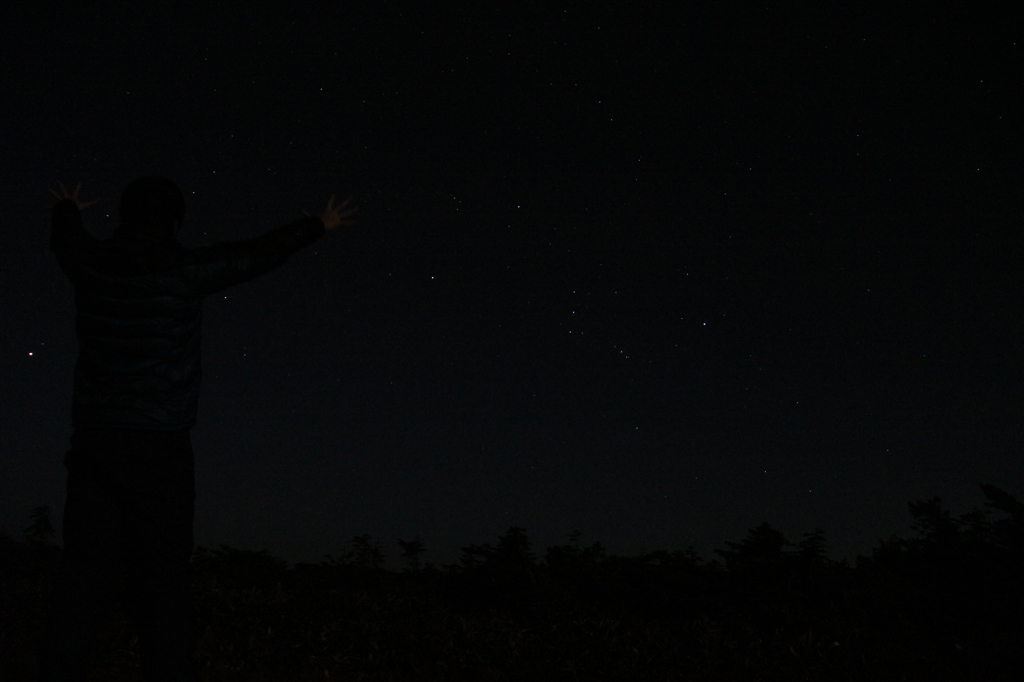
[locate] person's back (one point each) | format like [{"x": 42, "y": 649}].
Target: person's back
[
  {"x": 131, "y": 490},
  {"x": 139, "y": 304}
]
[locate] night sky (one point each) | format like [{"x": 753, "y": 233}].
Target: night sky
[{"x": 658, "y": 275}]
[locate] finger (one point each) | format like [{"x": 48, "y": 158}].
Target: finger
[
  {"x": 330, "y": 203},
  {"x": 77, "y": 188},
  {"x": 63, "y": 188},
  {"x": 94, "y": 201},
  {"x": 55, "y": 194}
]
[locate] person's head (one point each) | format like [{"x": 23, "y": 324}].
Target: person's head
[{"x": 153, "y": 206}]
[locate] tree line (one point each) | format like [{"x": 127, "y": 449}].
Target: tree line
[{"x": 936, "y": 606}]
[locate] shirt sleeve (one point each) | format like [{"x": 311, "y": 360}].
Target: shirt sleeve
[{"x": 217, "y": 267}]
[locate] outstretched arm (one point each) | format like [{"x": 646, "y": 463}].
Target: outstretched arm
[
  {"x": 222, "y": 265},
  {"x": 66, "y": 231}
]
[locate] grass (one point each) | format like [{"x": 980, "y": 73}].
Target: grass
[
  {"x": 337, "y": 622},
  {"x": 947, "y": 606}
]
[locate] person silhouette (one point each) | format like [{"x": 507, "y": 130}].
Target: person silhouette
[{"x": 130, "y": 497}]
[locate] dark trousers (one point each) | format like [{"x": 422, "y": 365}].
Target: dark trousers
[{"x": 130, "y": 506}]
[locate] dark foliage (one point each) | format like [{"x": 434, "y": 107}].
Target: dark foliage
[{"x": 946, "y": 604}]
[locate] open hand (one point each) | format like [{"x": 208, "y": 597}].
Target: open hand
[
  {"x": 73, "y": 197},
  {"x": 333, "y": 216}
]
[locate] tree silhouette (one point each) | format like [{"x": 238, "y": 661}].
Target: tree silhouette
[
  {"x": 510, "y": 562},
  {"x": 474, "y": 556},
  {"x": 1009, "y": 532},
  {"x": 571, "y": 557},
  {"x": 763, "y": 546},
  {"x": 811, "y": 550},
  {"x": 239, "y": 567},
  {"x": 514, "y": 549},
  {"x": 1003, "y": 501},
  {"x": 574, "y": 538},
  {"x": 369, "y": 554},
  {"x": 411, "y": 552},
  {"x": 934, "y": 523}
]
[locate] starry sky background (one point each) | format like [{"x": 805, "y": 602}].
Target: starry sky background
[{"x": 657, "y": 273}]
